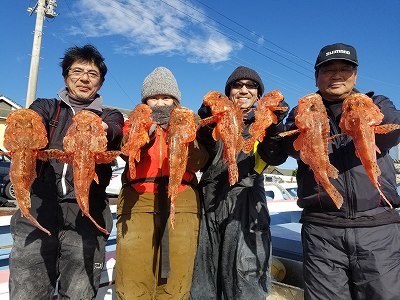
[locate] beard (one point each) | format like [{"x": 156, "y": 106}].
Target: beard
[{"x": 161, "y": 114}]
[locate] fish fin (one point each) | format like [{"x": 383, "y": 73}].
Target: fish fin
[
  {"x": 335, "y": 136},
  {"x": 59, "y": 155},
  {"x": 287, "y": 133},
  {"x": 208, "y": 120},
  {"x": 386, "y": 128},
  {"x": 332, "y": 171},
  {"x": 41, "y": 155},
  {"x": 106, "y": 157},
  {"x": 215, "y": 134},
  {"x": 298, "y": 143},
  {"x": 377, "y": 149},
  {"x": 96, "y": 178}
]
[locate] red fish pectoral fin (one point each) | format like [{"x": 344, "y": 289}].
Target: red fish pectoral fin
[
  {"x": 96, "y": 178},
  {"x": 386, "y": 128},
  {"x": 106, "y": 157},
  {"x": 208, "y": 120},
  {"x": 377, "y": 149},
  {"x": 332, "y": 172},
  {"x": 59, "y": 155},
  {"x": 290, "y": 132},
  {"x": 215, "y": 134}
]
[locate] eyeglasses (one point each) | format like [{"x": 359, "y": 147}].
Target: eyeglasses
[
  {"x": 77, "y": 73},
  {"x": 344, "y": 71},
  {"x": 250, "y": 85}
]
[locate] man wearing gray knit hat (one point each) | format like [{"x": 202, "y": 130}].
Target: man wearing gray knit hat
[{"x": 160, "y": 82}]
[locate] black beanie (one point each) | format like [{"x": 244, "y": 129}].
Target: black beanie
[{"x": 244, "y": 73}]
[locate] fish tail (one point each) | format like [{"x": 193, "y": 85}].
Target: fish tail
[
  {"x": 384, "y": 197},
  {"x": 95, "y": 223},
  {"x": 233, "y": 173},
  {"x": 27, "y": 215},
  {"x": 172, "y": 215}
]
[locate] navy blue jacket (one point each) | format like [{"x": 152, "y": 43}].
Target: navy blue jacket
[{"x": 363, "y": 205}]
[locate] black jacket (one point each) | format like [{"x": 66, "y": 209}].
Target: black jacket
[
  {"x": 362, "y": 205},
  {"x": 54, "y": 188}
]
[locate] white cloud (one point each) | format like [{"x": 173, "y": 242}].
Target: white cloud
[{"x": 152, "y": 27}]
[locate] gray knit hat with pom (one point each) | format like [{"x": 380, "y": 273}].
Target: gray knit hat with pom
[{"x": 160, "y": 82}]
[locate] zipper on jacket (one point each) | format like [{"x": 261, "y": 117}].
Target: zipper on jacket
[{"x": 335, "y": 129}]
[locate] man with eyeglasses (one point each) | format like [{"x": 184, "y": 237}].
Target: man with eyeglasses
[
  {"x": 352, "y": 252},
  {"x": 233, "y": 255},
  {"x": 71, "y": 258}
]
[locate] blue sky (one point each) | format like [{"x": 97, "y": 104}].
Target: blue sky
[{"x": 202, "y": 42}]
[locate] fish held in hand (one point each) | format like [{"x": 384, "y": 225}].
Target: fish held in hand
[
  {"x": 360, "y": 119},
  {"x": 264, "y": 117},
  {"x": 313, "y": 127},
  {"x": 24, "y": 136},
  {"x": 140, "y": 122},
  {"x": 229, "y": 126},
  {"x": 181, "y": 131},
  {"x": 85, "y": 144}
]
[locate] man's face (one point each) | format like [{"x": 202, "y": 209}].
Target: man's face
[
  {"x": 83, "y": 80},
  {"x": 244, "y": 93},
  {"x": 336, "y": 79}
]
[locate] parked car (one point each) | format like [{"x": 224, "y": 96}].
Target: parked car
[
  {"x": 115, "y": 183},
  {"x": 279, "y": 199},
  {"x": 6, "y": 187}
]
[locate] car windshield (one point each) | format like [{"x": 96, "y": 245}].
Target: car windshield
[{"x": 292, "y": 191}]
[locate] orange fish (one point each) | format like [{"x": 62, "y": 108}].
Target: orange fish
[
  {"x": 25, "y": 134},
  {"x": 360, "y": 119},
  {"x": 140, "y": 122},
  {"x": 313, "y": 125},
  {"x": 229, "y": 119},
  {"x": 265, "y": 116},
  {"x": 180, "y": 132},
  {"x": 85, "y": 144}
]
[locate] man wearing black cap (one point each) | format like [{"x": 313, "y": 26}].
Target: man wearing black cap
[
  {"x": 352, "y": 252},
  {"x": 233, "y": 256}
]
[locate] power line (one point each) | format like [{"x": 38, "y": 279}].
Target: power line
[
  {"x": 128, "y": 13},
  {"x": 254, "y": 50},
  {"x": 253, "y": 32}
]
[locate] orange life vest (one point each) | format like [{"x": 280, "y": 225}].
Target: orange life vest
[{"x": 153, "y": 165}]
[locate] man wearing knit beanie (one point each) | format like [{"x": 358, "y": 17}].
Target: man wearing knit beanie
[
  {"x": 160, "y": 82},
  {"x": 235, "y": 218},
  {"x": 244, "y": 73}
]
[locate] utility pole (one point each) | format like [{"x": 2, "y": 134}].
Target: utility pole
[{"x": 44, "y": 8}]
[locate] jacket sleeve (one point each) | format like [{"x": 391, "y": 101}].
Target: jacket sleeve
[
  {"x": 198, "y": 157},
  {"x": 204, "y": 133},
  {"x": 45, "y": 108},
  {"x": 391, "y": 116},
  {"x": 274, "y": 150},
  {"x": 115, "y": 122}
]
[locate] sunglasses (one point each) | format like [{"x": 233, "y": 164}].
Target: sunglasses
[{"x": 250, "y": 85}]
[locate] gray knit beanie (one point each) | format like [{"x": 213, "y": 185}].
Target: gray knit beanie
[
  {"x": 244, "y": 73},
  {"x": 160, "y": 82}
]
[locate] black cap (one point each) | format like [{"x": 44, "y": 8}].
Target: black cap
[
  {"x": 244, "y": 73},
  {"x": 336, "y": 51}
]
